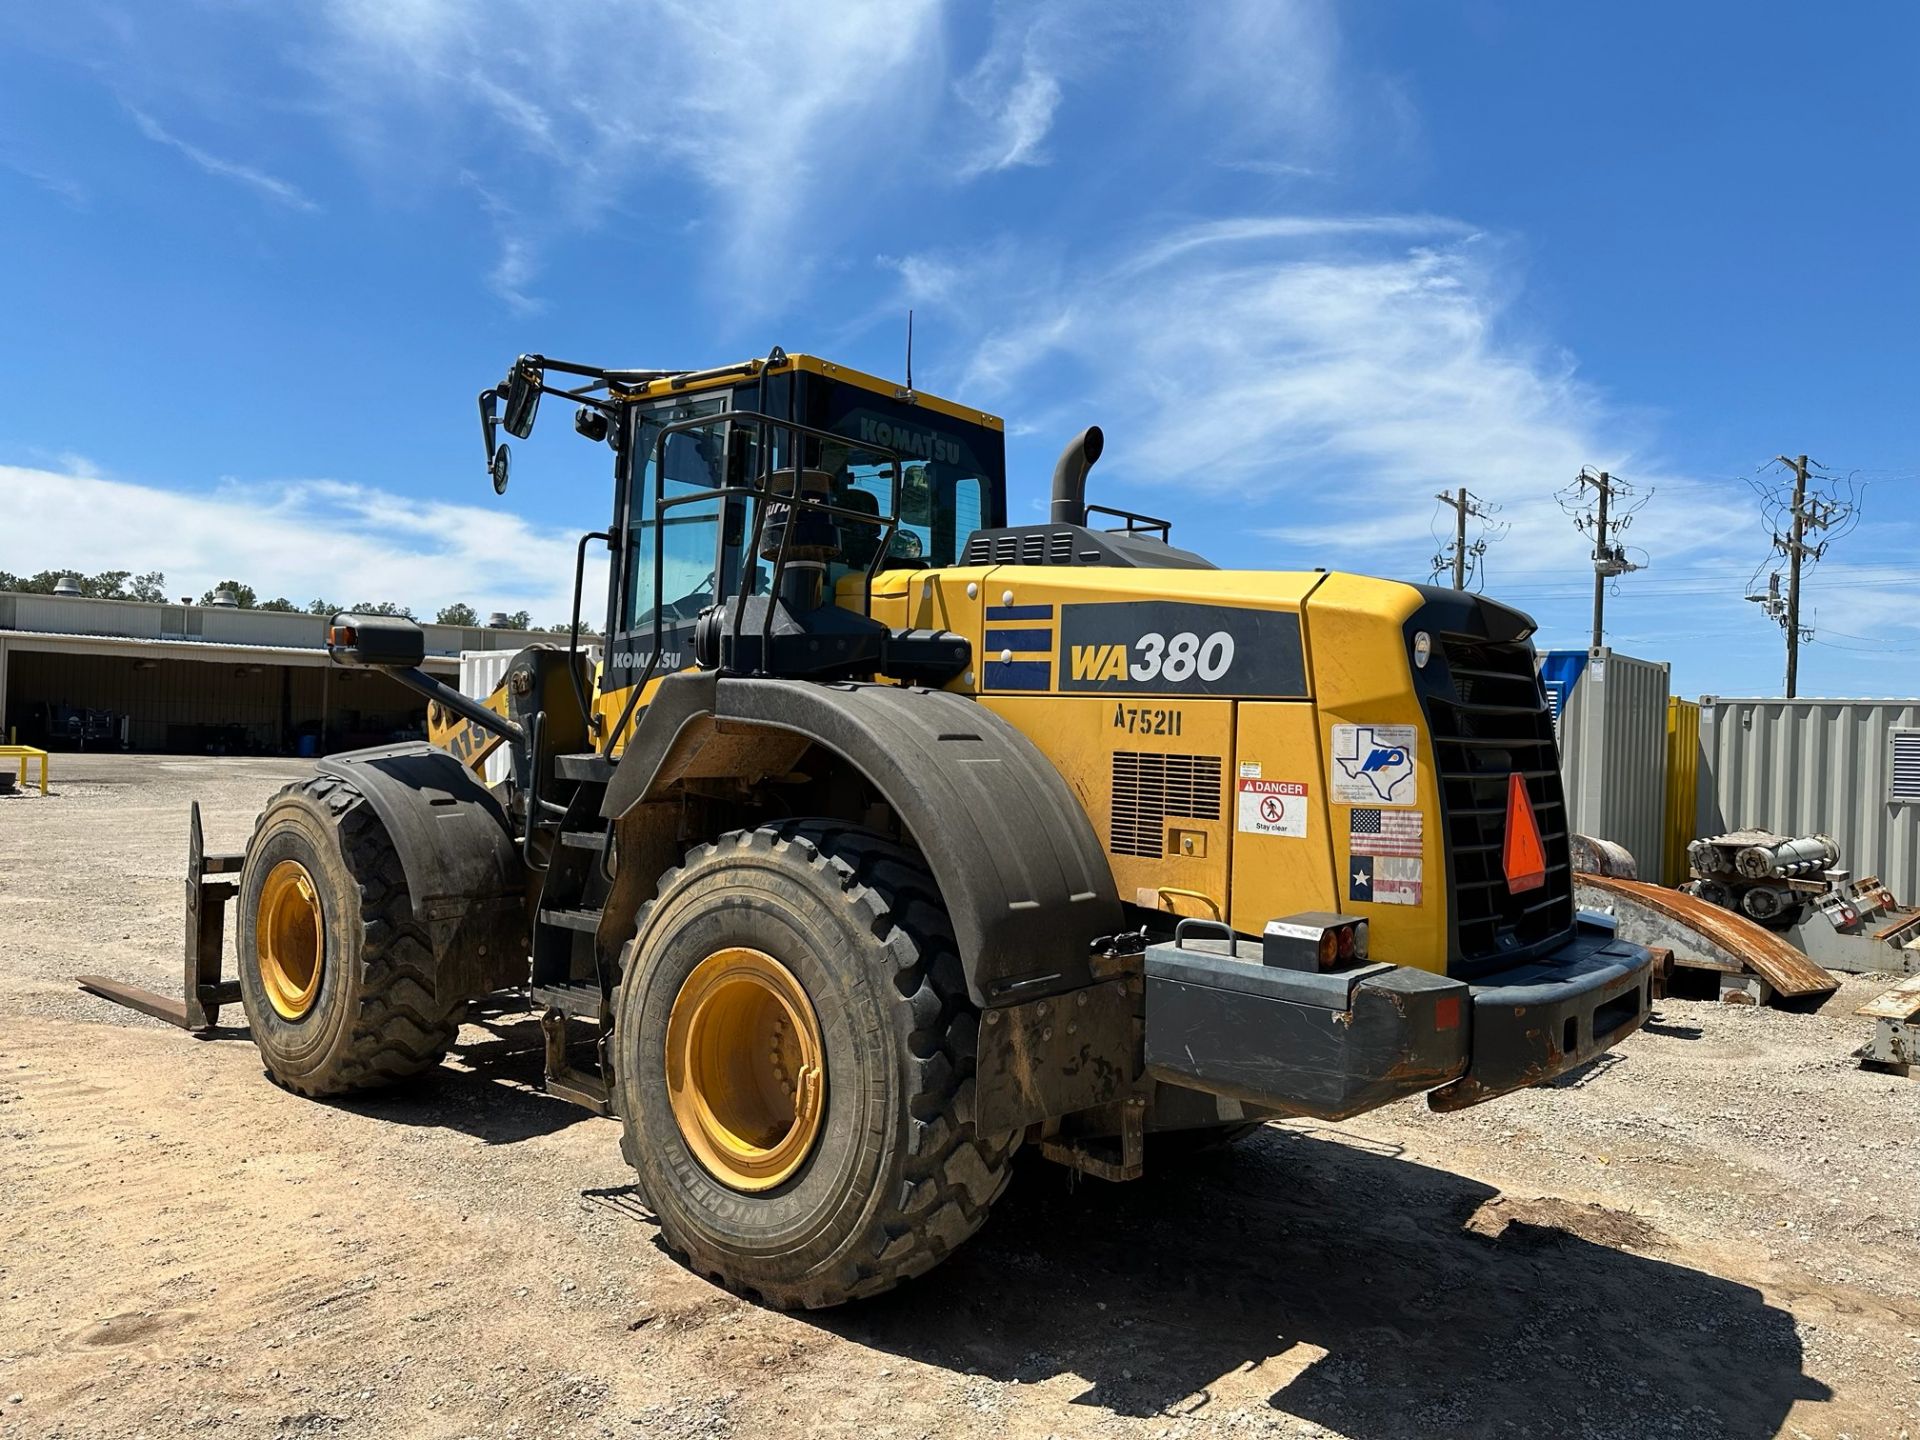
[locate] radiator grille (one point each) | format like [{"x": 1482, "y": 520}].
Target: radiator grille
[
  {"x": 1149, "y": 788},
  {"x": 1496, "y": 721}
]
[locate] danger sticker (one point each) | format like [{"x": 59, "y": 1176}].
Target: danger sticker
[
  {"x": 1384, "y": 880},
  {"x": 1272, "y": 807},
  {"x": 1374, "y": 765}
]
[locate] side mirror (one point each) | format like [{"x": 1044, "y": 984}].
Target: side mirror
[
  {"x": 523, "y": 398},
  {"x": 500, "y": 466},
  {"x": 385, "y": 642}
]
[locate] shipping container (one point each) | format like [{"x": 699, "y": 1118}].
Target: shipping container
[
  {"x": 1845, "y": 768},
  {"x": 1610, "y": 716}
]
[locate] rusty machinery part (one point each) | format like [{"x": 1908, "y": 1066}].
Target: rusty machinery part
[
  {"x": 1704, "y": 935},
  {"x": 897, "y": 1174},
  {"x": 746, "y": 1071},
  {"x": 336, "y": 973},
  {"x": 1593, "y": 856}
]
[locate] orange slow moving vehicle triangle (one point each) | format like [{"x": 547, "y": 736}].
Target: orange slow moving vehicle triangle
[{"x": 1524, "y": 859}]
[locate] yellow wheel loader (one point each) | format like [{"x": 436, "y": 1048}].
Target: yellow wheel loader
[{"x": 884, "y": 837}]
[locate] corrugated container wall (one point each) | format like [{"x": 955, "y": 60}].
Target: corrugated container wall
[
  {"x": 1826, "y": 767},
  {"x": 1610, "y": 714},
  {"x": 480, "y": 671}
]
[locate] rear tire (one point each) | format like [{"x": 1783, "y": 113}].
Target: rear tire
[
  {"x": 366, "y": 1015},
  {"x": 896, "y": 1175}
]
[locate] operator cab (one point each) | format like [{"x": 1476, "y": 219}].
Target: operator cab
[{"x": 853, "y": 437}]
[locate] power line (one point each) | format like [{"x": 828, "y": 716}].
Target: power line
[
  {"x": 1609, "y": 512},
  {"x": 1462, "y": 558},
  {"x": 1813, "y": 506}
]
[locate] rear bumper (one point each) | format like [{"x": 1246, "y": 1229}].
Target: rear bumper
[{"x": 1331, "y": 1046}]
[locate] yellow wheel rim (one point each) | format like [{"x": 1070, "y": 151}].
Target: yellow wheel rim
[
  {"x": 746, "y": 1070},
  {"x": 290, "y": 937}
]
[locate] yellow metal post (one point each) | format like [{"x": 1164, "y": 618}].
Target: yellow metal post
[{"x": 1683, "y": 784}]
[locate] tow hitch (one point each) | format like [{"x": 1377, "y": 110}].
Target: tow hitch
[{"x": 203, "y": 992}]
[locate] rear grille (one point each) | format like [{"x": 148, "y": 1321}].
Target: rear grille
[
  {"x": 1493, "y": 722},
  {"x": 1148, "y": 788}
]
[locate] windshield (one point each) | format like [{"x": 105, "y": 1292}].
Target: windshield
[{"x": 952, "y": 473}]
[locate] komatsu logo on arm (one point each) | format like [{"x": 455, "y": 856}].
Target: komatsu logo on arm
[{"x": 923, "y": 444}]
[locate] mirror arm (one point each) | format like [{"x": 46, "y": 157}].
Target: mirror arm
[
  {"x": 490, "y": 418},
  {"x": 465, "y": 706}
]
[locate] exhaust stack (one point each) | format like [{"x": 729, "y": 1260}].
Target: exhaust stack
[{"x": 1070, "y": 476}]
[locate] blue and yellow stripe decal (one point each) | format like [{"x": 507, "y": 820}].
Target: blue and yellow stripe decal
[{"x": 1018, "y": 647}]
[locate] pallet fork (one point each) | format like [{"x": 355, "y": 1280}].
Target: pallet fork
[{"x": 212, "y": 880}]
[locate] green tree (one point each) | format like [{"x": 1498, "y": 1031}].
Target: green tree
[
  {"x": 243, "y": 595},
  {"x": 107, "y": 585},
  {"x": 458, "y": 613},
  {"x": 279, "y": 602},
  {"x": 518, "y": 620},
  {"x": 322, "y": 607},
  {"x": 384, "y": 607},
  {"x": 151, "y": 587}
]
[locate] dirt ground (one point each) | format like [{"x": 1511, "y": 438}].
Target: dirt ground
[{"x": 1714, "y": 1232}]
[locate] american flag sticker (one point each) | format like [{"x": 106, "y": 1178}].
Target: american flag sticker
[{"x": 1386, "y": 832}]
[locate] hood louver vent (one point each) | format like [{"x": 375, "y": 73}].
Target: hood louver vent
[{"x": 1148, "y": 789}]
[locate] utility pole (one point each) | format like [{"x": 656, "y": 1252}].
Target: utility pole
[
  {"x": 1794, "y": 552},
  {"x": 1605, "y": 521},
  {"x": 1810, "y": 511},
  {"x": 1599, "y": 551},
  {"x": 1460, "y": 556}
]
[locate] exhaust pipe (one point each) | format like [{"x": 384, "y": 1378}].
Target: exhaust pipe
[{"x": 1070, "y": 476}]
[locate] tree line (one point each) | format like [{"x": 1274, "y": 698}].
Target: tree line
[{"x": 152, "y": 587}]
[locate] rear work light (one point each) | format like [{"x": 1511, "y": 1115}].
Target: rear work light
[{"x": 1314, "y": 941}]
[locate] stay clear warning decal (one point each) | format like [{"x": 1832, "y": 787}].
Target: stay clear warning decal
[
  {"x": 1272, "y": 807},
  {"x": 1384, "y": 848},
  {"x": 1374, "y": 765}
]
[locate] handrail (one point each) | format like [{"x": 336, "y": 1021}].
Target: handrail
[{"x": 573, "y": 634}]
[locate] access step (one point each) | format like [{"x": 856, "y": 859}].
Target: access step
[
  {"x": 588, "y": 767},
  {"x": 583, "y": 1002},
  {"x": 584, "y": 839},
  {"x": 585, "y": 921}
]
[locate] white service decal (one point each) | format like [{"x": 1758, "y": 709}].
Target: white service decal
[
  {"x": 1272, "y": 807},
  {"x": 1375, "y": 765}
]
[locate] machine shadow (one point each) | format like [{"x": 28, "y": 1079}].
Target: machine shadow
[
  {"x": 1395, "y": 1300},
  {"x": 491, "y": 1090}
]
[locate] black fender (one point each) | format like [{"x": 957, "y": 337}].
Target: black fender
[
  {"x": 1021, "y": 872},
  {"x": 455, "y": 843}
]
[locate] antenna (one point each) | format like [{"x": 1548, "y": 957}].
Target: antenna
[{"x": 909, "y": 349}]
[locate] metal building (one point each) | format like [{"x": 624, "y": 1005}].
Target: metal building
[
  {"x": 1610, "y": 716},
  {"x": 198, "y": 679},
  {"x": 1845, "y": 768}
]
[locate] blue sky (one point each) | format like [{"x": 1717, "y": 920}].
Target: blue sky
[{"x": 1307, "y": 264}]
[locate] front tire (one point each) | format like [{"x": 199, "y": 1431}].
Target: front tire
[
  {"x": 872, "y": 1171},
  {"x": 336, "y": 974}
]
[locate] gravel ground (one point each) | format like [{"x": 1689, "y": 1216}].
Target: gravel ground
[{"x": 1716, "y": 1231}]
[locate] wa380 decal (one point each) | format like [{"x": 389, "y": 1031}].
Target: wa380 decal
[
  {"x": 1164, "y": 647},
  {"x": 1155, "y": 656}
]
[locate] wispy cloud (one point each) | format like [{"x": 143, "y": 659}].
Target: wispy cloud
[
  {"x": 280, "y": 191},
  {"x": 517, "y": 264},
  {"x": 1325, "y": 374},
  {"x": 67, "y": 189},
  {"x": 1013, "y": 93},
  {"x": 742, "y": 131},
  {"x": 380, "y": 546}
]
